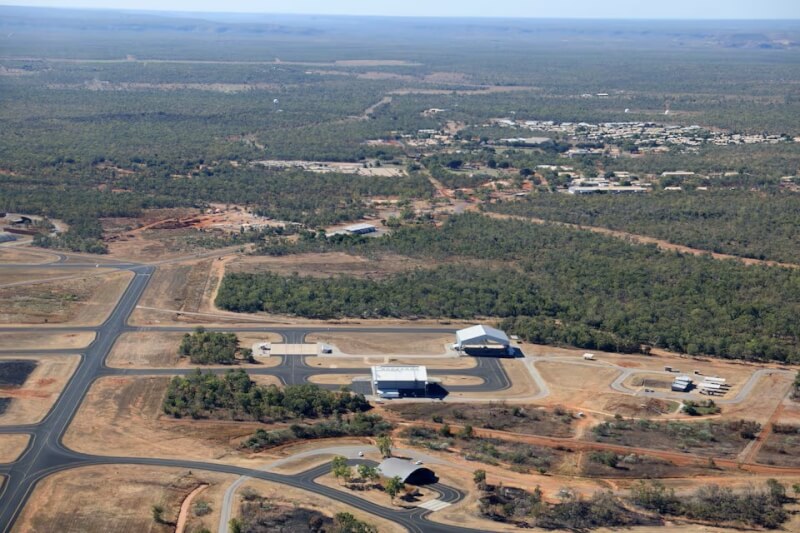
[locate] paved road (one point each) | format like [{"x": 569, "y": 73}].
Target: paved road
[{"x": 46, "y": 454}]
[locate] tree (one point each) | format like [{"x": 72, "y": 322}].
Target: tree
[
  {"x": 393, "y": 486},
  {"x": 340, "y": 468},
  {"x": 367, "y": 472},
  {"x": 384, "y": 444},
  {"x": 158, "y": 514},
  {"x": 347, "y": 523},
  {"x": 466, "y": 432},
  {"x": 479, "y": 477},
  {"x": 777, "y": 490},
  {"x": 235, "y": 525}
]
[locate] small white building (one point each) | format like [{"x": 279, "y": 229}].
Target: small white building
[{"x": 397, "y": 381}]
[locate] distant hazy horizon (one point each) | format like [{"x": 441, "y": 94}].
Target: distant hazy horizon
[{"x": 576, "y": 9}]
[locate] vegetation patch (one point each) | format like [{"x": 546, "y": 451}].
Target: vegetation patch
[
  {"x": 4, "y": 404},
  {"x": 701, "y": 408},
  {"x": 528, "y": 509},
  {"x": 782, "y": 447},
  {"x": 519, "y": 456},
  {"x": 761, "y": 226},
  {"x": 213, "y": 348},
  {"x": 752, "y": 507},
  {"x": 709, "y": 438},
  {"x": 500, "y": 416},
  {"x": 358, "y": 425},
  {"x": 607, "y": 464},
  {"x": 235, "y": 396}
]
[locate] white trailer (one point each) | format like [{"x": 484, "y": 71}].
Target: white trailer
[
  {"x": 715, "y": 380},
  {"x": 588, "y": 356}
]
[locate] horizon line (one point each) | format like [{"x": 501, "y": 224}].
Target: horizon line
[{"x": 155, "y": 11}]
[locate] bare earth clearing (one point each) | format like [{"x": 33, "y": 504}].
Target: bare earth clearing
[
  {"x": 33, "y": 400},
  {"x": 83, "y": 301},
  {"x": 384, "y": 343},
  {"x": 12, "y": 446},
  {"x": 119, "y": 498},
  {"x": 45, "y": 341}
]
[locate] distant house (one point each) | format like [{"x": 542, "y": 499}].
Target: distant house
[{"x": 360, "y": 229}]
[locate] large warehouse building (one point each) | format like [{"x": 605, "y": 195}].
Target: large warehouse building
[
  {"x": 481, "y": 336},
  {"x": 399, "y": 381}
]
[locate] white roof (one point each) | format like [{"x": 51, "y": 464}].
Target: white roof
[
  {"x": 399, "y": 373},
  {"x": 360, "y": 227},
  {"x": 479, "y": 334}
]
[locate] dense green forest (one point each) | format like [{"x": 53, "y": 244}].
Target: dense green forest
[
  {"x": 235, "y": 396},
  {"x": 552, "y": 284},
  {"x": 761, "y": 226},
  {"x": 212, "y": 348},
  {"x": 118, "y": 113}
]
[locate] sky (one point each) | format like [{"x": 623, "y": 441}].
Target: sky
[{"x": 615, "y": 9}]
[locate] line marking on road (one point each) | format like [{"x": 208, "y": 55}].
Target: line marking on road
[{"x": 434, "y": 505}]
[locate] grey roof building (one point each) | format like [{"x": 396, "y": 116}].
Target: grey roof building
[{"x": 407, "y": 471}]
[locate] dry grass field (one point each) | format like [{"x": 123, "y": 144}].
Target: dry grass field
[
  {"x": 15, "y": 254},
  {"x": 45, "y": 341},
  {"x": 122, "y": 416},
  {"x": 160, "y": 350},
  {"x": 119, "y": 498},
  {"x": 31, "y": 401},
  {"x": 292, "y": 497},
  {"x": 83, "y": 301},
  {"x": 12, "y": 446},
  {"x": 439, "y": 363},
  {"x": 384, "y": 343}
]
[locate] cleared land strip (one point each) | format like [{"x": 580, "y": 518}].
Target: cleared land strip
[{"x": 644, "y": 239}]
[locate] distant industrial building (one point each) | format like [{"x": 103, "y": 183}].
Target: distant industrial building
[
  {"x": 399, "y": 381},
  {"x": 361, "y": 229},
  {"x": 407, "y": 471},
  {"x": 612, "y": 189},
  {"x": 481, "y": 336},
  {"x": 682, "y": 384}
]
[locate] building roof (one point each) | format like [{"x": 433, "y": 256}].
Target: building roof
[
  {"x": 361, "y": 227},
  {"x": 402, "y": 468},
  {"x": 400, "y": 373},
  {"x": 480, "y": 334}
]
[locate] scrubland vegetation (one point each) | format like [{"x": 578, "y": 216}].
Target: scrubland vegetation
[
  {"x": 235, "y": 396},
  {"x": 555, "y": 286}
]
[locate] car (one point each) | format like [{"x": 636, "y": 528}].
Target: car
[
  {"x": 417, "y": 462},
  {"x": 361, "y": 454}
]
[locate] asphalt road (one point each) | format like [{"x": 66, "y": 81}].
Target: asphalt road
[{"x": 46, "y": 453}]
